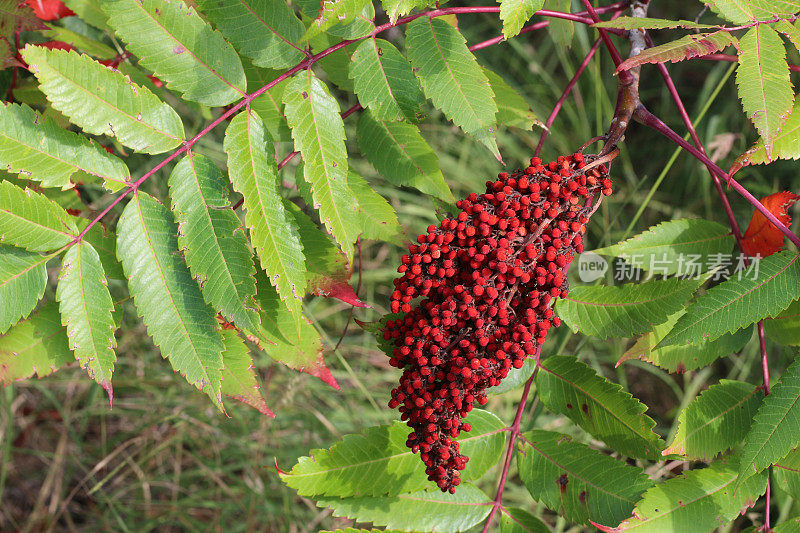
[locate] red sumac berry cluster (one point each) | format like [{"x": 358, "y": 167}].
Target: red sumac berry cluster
[{"x": 487, "y": 280}]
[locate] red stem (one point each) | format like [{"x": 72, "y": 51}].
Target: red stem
[
  {"x": 734, "y": 59},
  {"x": 564, "y": 95}
]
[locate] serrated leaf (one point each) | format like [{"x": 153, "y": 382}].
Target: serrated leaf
[
  {"x": 516, "y": 520},
  {"x": 361, "y": 26},
  {"x": 86, "y": 306},
  {"x": 377, "y": 219},
  {"x": 787, "y": 473},
  {"x": 647, "y": 23},
  {"x": 332, "y": 12},
  {"x": 318, "y": 133},
  {"x": 744, "y": 11},
  {"x": 104, "y": 243},
  {"x": 418, "y": 511},
  {"x": 268, "y": 105},
  {"x": 516, "y": 377},
  {"x": 790, "y": 525},
  {"x": 378, "y": 462},
  {"x": 512, "y": 109},
  {"x": 515, "y": 13},
  {"x": 166, "y": 297},
  {"x": 213, "y": 241},
  {"x": 560, "y": 30},
  {"x": 37, "y": 345},
  {"x": 716, "y": 420},
  {"x": 576, "y": 481},
  {"x": 687, "y": 357},
  {"x": 40, "y": 150},
  {"x": 737, "y": 11},
  {"x": 399, "y": 8},
  {"x": 354, "y": 530},
  {"x": 774, "y": 431},
  {"x": 81, "y": 42},
  {"x": 30, "y": 220},
  {"x": 327, "y": 269},
  {"x": 699, "y": 500},
  {"x": 180, "y": 48},
  {"x": 686, "y": 47},
  {"x": 736, "y": 303},
  {"x": 763, "y": 80},
  {"x": 625, "y": 310},
  {"x": 785, "y": 145},
  {"x": 451, "y": 77},
  {"x": 336, "y": 65},
  {"x": 23, "y": 278},
  {"x": 103, "y": 101},
  {"x": 90, "y": 12},
  {"x": 254, "y": 174},
  {"x": 238, "y": 374},
  {"x": 384, "y": 82},
  {"x": 664, "y": 248},
  {"x": 600, "y": 407},
  {"x": 785, "y": 327},
  {"x": 789, "y": 30},
  {"x": 400, "y": 154},
  {"x": 263, "y": 30}
]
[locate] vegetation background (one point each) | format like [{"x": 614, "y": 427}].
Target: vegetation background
[{"x": 163, "y": 459}]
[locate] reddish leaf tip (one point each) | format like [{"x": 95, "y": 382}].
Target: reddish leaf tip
[
  {"x": 110, "y": 391},
  {"x": 322, "y": 372},
  {"x": 601, "y": 527}
]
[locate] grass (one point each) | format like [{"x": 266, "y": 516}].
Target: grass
[{"x": 164, "y": 459}]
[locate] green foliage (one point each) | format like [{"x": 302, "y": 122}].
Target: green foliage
[
  {"x": 608, "y": 311},
  {"x": 633, "y": 23},
  {"x": 785, "y": 327},
  {"x": 167, "y": 298},
  {"x": 378, "y": 462},
  {"x": 512, "y": 109},
  {"x": 254, "y": 174},
  {"x": 602, "y": 408},
  {"x": 451, "y": 78},
  {"x": 212, "y": 239},
  {"x": 238, "y": 374},
  {"x": 516, "y": 378},
  {"x": 787, "y": 473},
  {"x": 86, "y": 307},
  {"x": 515, "y": 13},
  {"x": 785, "y": 144},
  {"x": 180, "y": 48},
  {"x": 332, "y": 12},
  {"x": 318, "y": 133},
  {"x": 577, "y": 481},
  {"x": 516, "y": 520},
  {"x": 103, "y": 101},
  {"x": 773, "y": 433},
  {"x": 560, "y": 30},
  {"x": 763, "y": 80},
  {"x": 23, "y": 278},
  {"x": 30, "y": 220},
  {"x": 51, "y": 155},
  {"x": 376, "y": 218},
  {"x": 737, "y": 303},
  {"x": 417, "y": 511},
  {"x": 683, "y": 48},
  {"x": 663, "y": 249},
  {"x": 698, "y": 500},
  {"x": 716, "y": 420}
]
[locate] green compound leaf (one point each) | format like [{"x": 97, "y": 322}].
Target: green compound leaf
[
  {"x": 785, "y": 145},
  {"x": 452, "y": 78},
  {"x": 736, "y": 303},
  {"x": 104, "y": 243},
  {"x": 787, "y": 473},
  {"x": 39, "y": 149},
  {"x": 30, "y": 220},
  {"x": 169, "y": 301},
  {"x": 512, "y": 109},
  {"x": 790, "y": 525},
  {"x": 104, "y": 101},
  {"x": 716, "y": 420},
  {"x": 515, "y": 13},
  {"x": 680, "y": 247},
  {"x": 385, "y": 83},
  {"x": 378, "y": 219},
  {"x": 86, "y": 307},
  {"x": 333, "y": 12},
  {"x": 400, "y": 154},
  {"x": 699, "y": 500},
  {"x": 774, "y": 430},
  {"x": 399, "y": 8},
  {"x": 516, "y": 520},
  {"x": 516, "y": 377},
  {"x": 602, "y": 408},
  {"x": 268, "y": 105},
  {"x": 263, "y": 30},
  {"x": 318, "y": 133},
  {"x": 378, "y": 462},
  {"x": 647, "y": 23},
  {"x": 630, "y": 309},
  {"x": 741, "y": 12},
  {"x": 576, "y": 481},
  {"x": 418, "y": 511},
  {"x": 238, "y": 374},
  {"x": 23, "y": 278},
  {"x": 792, "y": 31},
  {"x": 37, "y": 346},
  {"x": 361, "y": 26},
  {"x": 736, "y": 11},
  {"x": 213, "y": 241},
  {"x": 684, "y": 357},
  {"x": 181, "y": 49},
  {"x": 254, "y": 174},
  {"x": 686, "y": 47},
  {"x": 785, "y": 327},
  {"x": 763, "y": 80}
]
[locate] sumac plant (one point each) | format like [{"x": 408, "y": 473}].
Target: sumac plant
[{"x": 220, "y": 246}]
